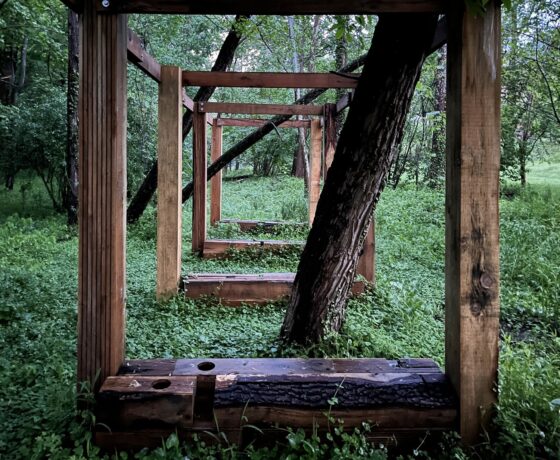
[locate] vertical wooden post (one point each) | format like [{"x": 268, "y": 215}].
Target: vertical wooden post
[
  {"x": 330, "y": 136},
  {"x": 199, "y": 179},
  {"x": 366, "y": 264},
  {"x": 102, "y": 194},
  {"x": 216, "y": 181},
  {"x": 315, "y": 167},
  {"x": 170, "y": 169},
  {"x": 472, "y": 217}
]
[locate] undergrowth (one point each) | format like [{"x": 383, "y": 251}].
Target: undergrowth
[{"x": 403, "y": 317}]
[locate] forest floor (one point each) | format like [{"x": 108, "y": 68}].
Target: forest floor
[{"x": 402, "y": 318}]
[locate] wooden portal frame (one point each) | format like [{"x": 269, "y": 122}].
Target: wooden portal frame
[{"x": 472, "y": 217}]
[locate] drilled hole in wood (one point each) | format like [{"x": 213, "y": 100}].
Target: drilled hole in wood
[
  {"x": 161, "y": 384},
  {"x": 206, "y": 366}
]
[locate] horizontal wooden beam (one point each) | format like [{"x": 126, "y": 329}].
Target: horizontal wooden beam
[
  {"x": 75, "y": 5},
  {"x": 261, "y": 109},
  {"x": 284, "y": 7},
  {"x": 270, "y": 79},
  {"x": 143, "y": 60},
  {"x": 214, "y": 249},
  {"x": 259, "y": 225},
  {"x": 255, "y": 123}
]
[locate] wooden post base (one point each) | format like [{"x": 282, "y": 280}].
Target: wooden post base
[{"x": 152, "y": 399}]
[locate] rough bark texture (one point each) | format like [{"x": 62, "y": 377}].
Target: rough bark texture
[
  {"x": 261, "y": 132},
  {"x": 225, "y": 57},
  {"x": 70, "y": 196},
  {"x": 364, "y": 154}
]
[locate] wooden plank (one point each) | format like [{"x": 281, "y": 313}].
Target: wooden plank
[
  {"x": 102, "y": 196},
  {"x": 256, "y": 123},
  {"x": 366, "y": 264},
  {"x": 216, "y": 181},
  {"x": 169, "y": 190},
  {"x": 75, "y": 5},
  {"x": 472, "y": 216},
  {"x": 270, "y": 79},
  {"x": 331, "y": 136},
  {"x": 286, "y": 7},
  {"x": 199, "y": 180},
  {"x": 221, "y": 248},
  {"x": 276, "y": 366},
  {"x": 259, "y": 225},
  {"x": 260, "y": 109},
  {"x": 315, "y": 150}
]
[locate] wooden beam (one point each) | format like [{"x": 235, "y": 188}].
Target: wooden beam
[
  {"x": 102, "y": 196},
  {"x": 216, "y": 181},
  {"x": 215, "y": 249},
  {"x": 257, "y": 123},
  {"x": 259, "y": 225},
  {"x": 199, "y": 180},
  {"x": 260, "y": 109},
  {"x": 472, "y": 216},
  {"x": 169, "y": 193},
  {"x": 270, "y": 79},
  {"x": 286, "y": 7},
  {"x": 75, "y": 5},
  {"x": 316, "y": 147}
]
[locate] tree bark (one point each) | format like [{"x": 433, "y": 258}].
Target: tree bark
[
  {"x": 363, "y": 157},
  {"x": 341, "y": 58},
  {"x": 225, "y": 57},
  {"x": 250, "y": 140},
  {"x": 70, "y": 193}
]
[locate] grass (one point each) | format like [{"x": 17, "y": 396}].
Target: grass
[{"x": 404, "y": 317}]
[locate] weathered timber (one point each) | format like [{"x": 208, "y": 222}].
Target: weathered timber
[
  {"x": 259, "y": 225},
  {"x": 270, "y": 79},
  {"x": 315, "y": 150},
  {"x": 472, "y": 269},
  {"x": 216, "y": 181},
  {"x": 170, "y": 171},
  {"x": 261, "y": 109},
  {"x": 214, "y": 249},
  {"x": 255, "y": 123},
  {"x": 75, "y": 5},
  {"x": 102, "y": 195},
  {"x": 286, "y": 7},
  {"x": 199, "y": 179}
]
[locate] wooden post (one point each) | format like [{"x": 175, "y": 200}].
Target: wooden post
[
  {"x": 216, "y": 181},
  {"x": 315, "y": 167},
  {"x": 170, "y": 170},
  {"x": 102, "y": 195},
  {"x": 330, "y": 136},
  {"x": 472, "y": 217},
  {"x": 366, "y": 264},
  {"x": 199, "y": 179}
]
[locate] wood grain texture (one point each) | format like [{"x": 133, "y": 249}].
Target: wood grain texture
[
  {"x": 255, "y": 123},
  {"x": 214, "y": 249},
  {"x": 216, "y": 181},
  {"x": 102, "y": 195},
  {"x": 259, "y": 225},
  {"x": 261, "y": 109},
  {"x": 286, "y": 7},
  {"x": 169, "y": 194},
  {"x": 315, "y": 154},
  {"x": 472, "y": 216},
  {"x": 270, "y": 79},
  {"x": 199, "y": 180}
]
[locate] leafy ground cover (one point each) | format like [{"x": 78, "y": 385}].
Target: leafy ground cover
[{"x": 403, "y": 317}]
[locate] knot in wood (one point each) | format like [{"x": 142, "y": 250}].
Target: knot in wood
[
  {"x": 476, "y": 308},
  {"x": 486, "y": 281}
]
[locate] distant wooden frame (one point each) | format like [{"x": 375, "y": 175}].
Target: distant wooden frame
[
  {"x": 260, "y": 109},
  {"x": 257, "y": 123}
]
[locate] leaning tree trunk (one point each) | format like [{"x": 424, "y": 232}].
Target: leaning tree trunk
[
  {"x": 70, "y": 193},
  {"x": 363, "y": 156},
  {"x": 224, "y": 59}
]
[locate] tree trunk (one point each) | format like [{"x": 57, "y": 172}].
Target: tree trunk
[
  {"x": 436, "y": 168},
  {"x": 363, "y": 157},
  {"x": 341, "y": 58},
  {"x": 70, "y": 193},
  {"x": 247, "y": 142},
  {"x": 225, "y": 57}
]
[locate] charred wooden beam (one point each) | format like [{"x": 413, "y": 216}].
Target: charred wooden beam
[{"x": 286, "y": 7}]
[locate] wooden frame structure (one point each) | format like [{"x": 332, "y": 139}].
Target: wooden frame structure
[{"x": 154, "y": 398}]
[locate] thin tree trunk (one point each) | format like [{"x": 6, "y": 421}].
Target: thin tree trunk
[
  {"x": 436, "y": 167},
  {"x": 70, "y": 192},
  {"x": 225, "y": 57},
  {"x": 250, "y": 140},
  {"x": 341, "y": 58},
  {"x": 362, "y": 160}
]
